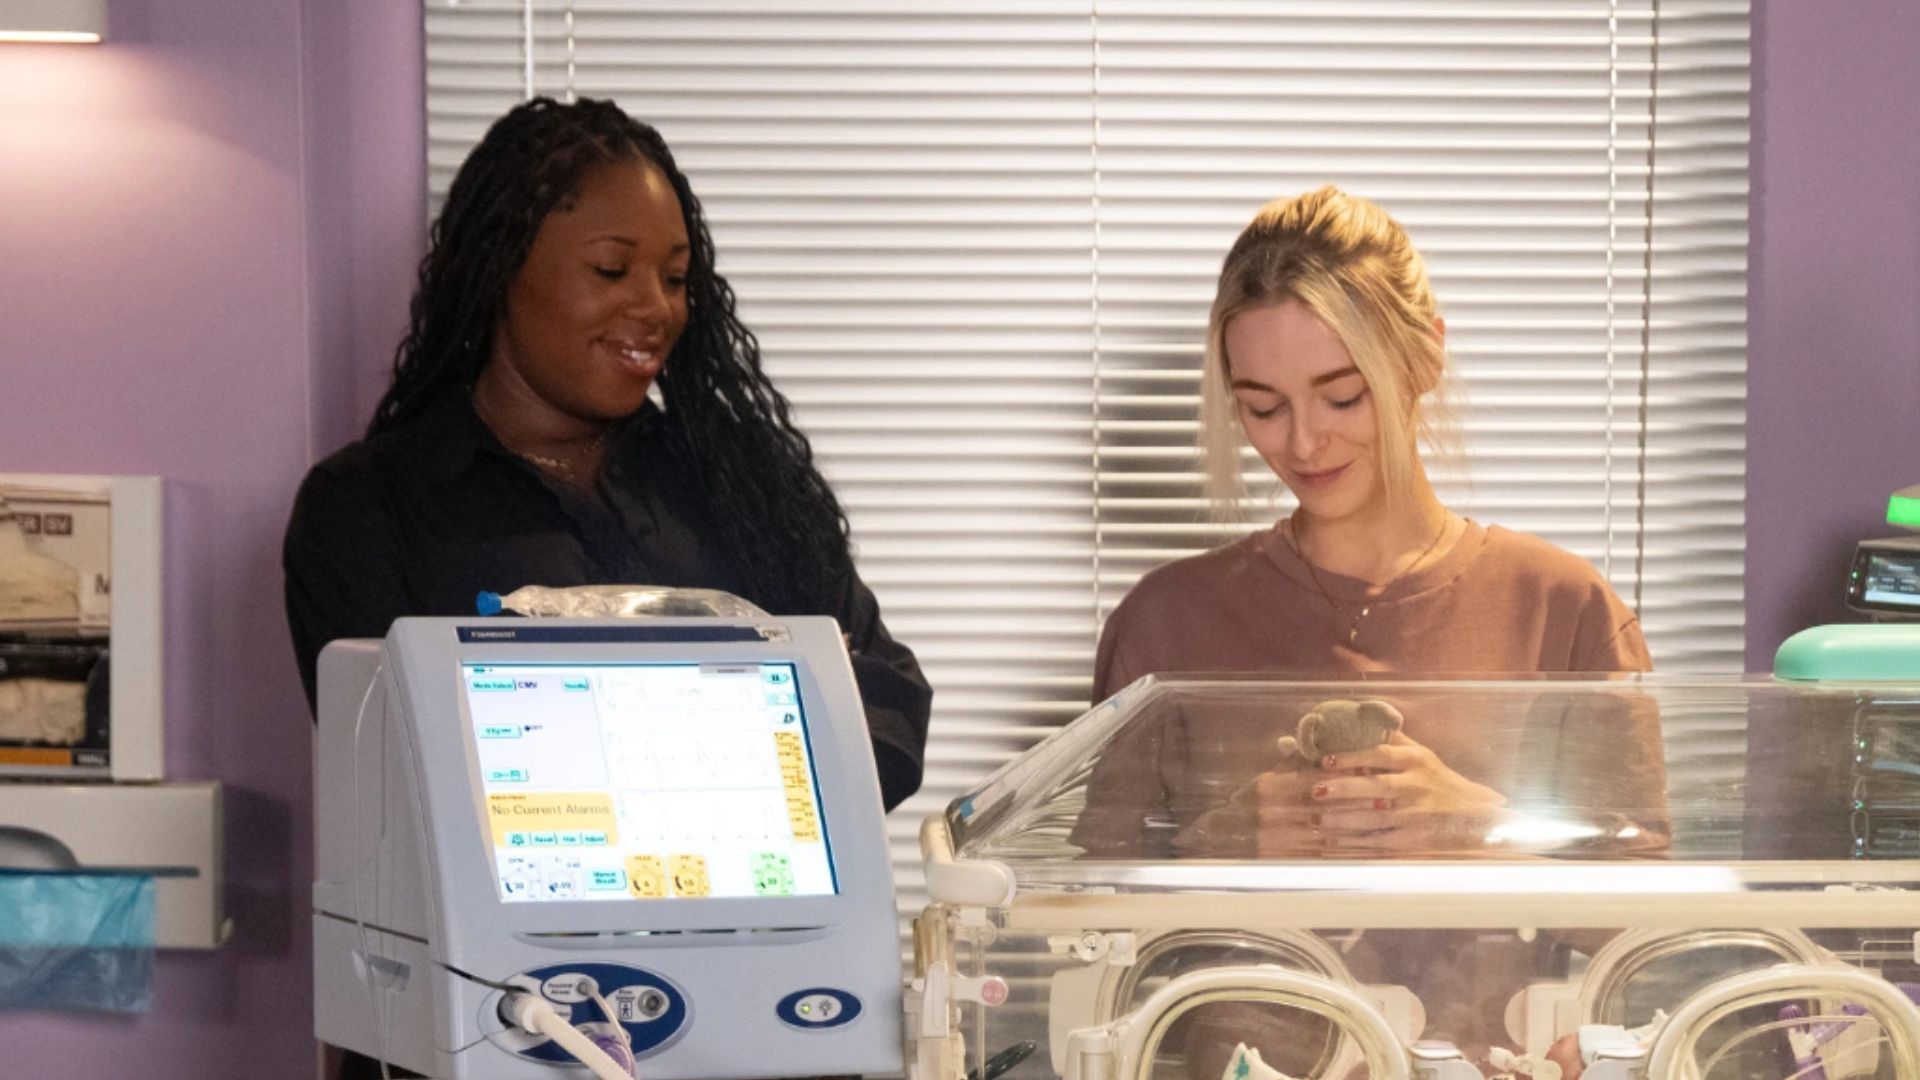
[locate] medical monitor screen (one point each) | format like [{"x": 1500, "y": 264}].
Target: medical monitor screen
[
  {"x": 1893, "y": 580},
  {"x": 648, "y": 781}
]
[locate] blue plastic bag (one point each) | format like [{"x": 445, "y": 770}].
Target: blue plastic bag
[{"x": 76, "y": 940}]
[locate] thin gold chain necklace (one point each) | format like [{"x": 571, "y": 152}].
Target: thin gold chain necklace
[
  {"x": 1353, "y": 628},
  {"x": 558, "y": 465},
  {"x": 562, "y": 466}
]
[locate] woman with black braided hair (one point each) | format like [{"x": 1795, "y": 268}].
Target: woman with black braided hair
[{"x": 569, "y": 275}]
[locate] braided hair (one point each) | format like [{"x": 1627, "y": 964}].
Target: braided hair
[{"x": 773, "y": 518}]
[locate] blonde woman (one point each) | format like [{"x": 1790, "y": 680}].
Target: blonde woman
[
  {"x": 1324, "y": 349},
  {"x": 1326, "y": 352}
]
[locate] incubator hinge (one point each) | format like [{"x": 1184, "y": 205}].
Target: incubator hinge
[
  {"x": 939, "y": 1053},
  {"x": 929, "y": 1001},
  {"x": 1090, "y": 1055},
  {"x": 1116, "y": 950}
]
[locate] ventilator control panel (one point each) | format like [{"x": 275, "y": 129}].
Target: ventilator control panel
[{"x": 648, "y": 781}]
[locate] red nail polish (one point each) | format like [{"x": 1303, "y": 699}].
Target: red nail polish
[
  {"x": 1379, "y": 804},
  {"x": 1319, "y": 791}
]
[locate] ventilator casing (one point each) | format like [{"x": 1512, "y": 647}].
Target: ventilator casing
[{"x": 415, "y": 886}]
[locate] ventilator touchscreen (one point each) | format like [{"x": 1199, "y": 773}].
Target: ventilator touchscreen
[{"x": 647, "y": 781}]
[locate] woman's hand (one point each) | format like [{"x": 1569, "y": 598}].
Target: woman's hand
[
  {"x": 1396, "y": 798},
  {"x": 1284, "y": 811}
]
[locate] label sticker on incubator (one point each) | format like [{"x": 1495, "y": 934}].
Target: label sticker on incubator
[{"x": 692, "y": 780}]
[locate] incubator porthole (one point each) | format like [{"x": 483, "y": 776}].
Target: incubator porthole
[{"x": 1197, "y": 1043}]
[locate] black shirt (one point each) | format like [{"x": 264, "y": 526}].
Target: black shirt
[{"x": 420, "y": 519}]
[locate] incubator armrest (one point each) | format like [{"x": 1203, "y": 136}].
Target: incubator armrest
[{"x": 964, "y": 882}]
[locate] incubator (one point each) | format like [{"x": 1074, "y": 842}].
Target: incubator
[{"x": 1632, "y": 877}]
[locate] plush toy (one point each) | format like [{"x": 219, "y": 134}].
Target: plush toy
[
  {"x": 1336, "y": 727},
  {"x": 1245, "y": 1064}
]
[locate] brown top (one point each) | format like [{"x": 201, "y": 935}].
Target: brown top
[
  {"x": 1496, "y": 602},
  {"x": 1499, "y": 602}
]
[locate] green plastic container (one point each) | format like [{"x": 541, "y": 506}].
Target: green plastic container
[
  {"x": 1851, "y": 652},
  {"x": 1904, "y": 507}
]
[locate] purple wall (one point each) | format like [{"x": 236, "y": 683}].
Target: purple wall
[
  {"x": 207, "y": 240},
  {"x": 366, "y": 201},
  {"x": 1833, "y": 384},
  {"x": 182, "y": 296}
]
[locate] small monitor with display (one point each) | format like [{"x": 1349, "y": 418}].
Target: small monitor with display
[{"x": 1885, "y": 578}]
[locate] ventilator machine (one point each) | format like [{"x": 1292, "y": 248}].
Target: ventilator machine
[{"x": 653, "y": 847}]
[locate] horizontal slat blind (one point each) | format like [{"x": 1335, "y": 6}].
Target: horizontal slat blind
[
  {"x": 1500, "y": 137},
  {"x": 978, "y": 239}
]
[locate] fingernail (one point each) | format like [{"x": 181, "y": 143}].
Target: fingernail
[
  {"x": 1313, "y": 819},
  {"x": 1327, "y": 762},
  {"x": 1360, "y": 770},
  {"x": 1379, "y": 804},
  {"x": 1319, "y": 791}
]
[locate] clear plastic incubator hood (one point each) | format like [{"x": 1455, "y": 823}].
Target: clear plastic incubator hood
[{"x": 1603, "y": 878}]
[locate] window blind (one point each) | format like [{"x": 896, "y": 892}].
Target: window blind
[{"x": 977, "y": 239}]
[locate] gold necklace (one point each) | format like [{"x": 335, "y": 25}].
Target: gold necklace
[
  {"x": 1353, "y": 628},
  {"x": 563, "y": 466},
  {"x": 558, "y": 465}
]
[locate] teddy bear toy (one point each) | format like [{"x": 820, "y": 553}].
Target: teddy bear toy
[{"x": 1337, "y": 727}]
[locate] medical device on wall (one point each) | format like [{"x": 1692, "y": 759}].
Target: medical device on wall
[
  {"x": 80, "y": 584},
  {"x": 665, "y": 832},
  {"x": 82, "y": 745},
  {"x": 1121, "y": 896},
  {"x": 1884, "y": 579}
]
